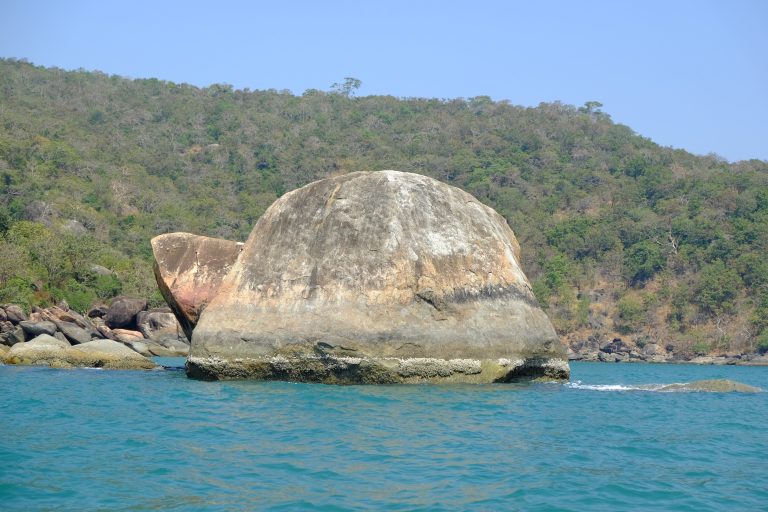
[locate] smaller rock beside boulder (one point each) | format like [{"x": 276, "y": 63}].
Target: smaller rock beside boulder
[
  {"x": 189, "y": 270},
  {"x": 10, "y": 334},
  {"x": 138, "y": 346},
  {"x": 158, "y": 323},
  {"x": 121, "y": 334},
  {"x": 45, "y": 340},
  {"x": 57, "y": 313},
  {"x": 13, "y": 313},
  {"x": 98, "y": 311},
  {"x": 32, "y": 329},
  {"x": 104, "y": 331},
  {"x": 74, "y": 333}
]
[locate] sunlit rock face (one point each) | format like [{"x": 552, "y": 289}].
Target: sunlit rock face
[
  {"x": 377, "y": 277},
  {"x": 189, "y": 269}
]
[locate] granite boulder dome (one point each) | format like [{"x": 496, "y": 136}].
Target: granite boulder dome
[{"x": 377, "y": 277}]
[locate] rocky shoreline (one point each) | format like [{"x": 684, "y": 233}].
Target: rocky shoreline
[
  {"x": 128, "y": 323},
  {"x": 617, "y": 351},
  {"x": 123, "y": 335}
]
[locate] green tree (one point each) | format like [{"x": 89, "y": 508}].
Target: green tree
[
  {"x": 642, "y": 261},
  {"x": 347, "y": 87},
  {"x": 631, "y": 314},
  {"x": 718, "y": 288}
]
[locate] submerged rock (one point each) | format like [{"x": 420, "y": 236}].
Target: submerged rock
[
  {"x": 714, "y": 386},
  {"x": 189, "y": 270},
  {"x": 370, "y": 278}
]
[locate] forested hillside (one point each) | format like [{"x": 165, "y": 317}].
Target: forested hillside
[{"x": 620, "y": 237}]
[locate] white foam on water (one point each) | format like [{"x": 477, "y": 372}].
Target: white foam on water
[
  {"x": 614, "y": 387},
  {"x": 717, "y": 386}
]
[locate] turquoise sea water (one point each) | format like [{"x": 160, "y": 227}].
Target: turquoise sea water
[{"x": 119, "y": 440}]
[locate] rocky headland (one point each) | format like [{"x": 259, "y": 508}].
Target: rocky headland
[{"x": 370, "y": 277}]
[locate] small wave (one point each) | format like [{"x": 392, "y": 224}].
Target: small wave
[
  {"x": 711, "y": 386},
  {"x": 613, "y": 387}
]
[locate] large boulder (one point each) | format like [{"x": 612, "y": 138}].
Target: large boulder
[
  {"x": 377, "y": 277},
  {"x": 123, "y": 310},
  {"x": 189, "y": 270}
]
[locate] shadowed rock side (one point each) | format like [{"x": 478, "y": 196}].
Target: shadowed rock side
[
  {"x": 377, "y": 277},
  {"x": 189, "y": 269}
]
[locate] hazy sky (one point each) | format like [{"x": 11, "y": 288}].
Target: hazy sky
[{"x": 688, "y": 74}]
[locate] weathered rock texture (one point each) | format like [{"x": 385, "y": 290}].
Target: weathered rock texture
[
  {"x": 158, "y": 323},
  {"x": 46, "y": 350},
  {"x": 374, "y": 277},
  {"x": 189, "y": 270},
  {"x": 161, "y": 339},
  {"x": 123, "y": 310}
]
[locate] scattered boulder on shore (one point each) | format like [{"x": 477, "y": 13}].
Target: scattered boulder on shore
[
  {"x": 127, "y": 335},
  {"x": 69, "y": 327},
  {"x": 32, "y": 329},
  {"x": 372, "y": 277},
  {"x": 97, "y": 311},
  {"x": 74, "y": 333},
  {"x": 47, "y": 350},
  {"x": 12, "y": 313},
  {"x": 123, "y": 310},
  {"x": 157, "y": 323},
  {"x": 189, "y": 270},
  {"x": 10, "y": 334}
]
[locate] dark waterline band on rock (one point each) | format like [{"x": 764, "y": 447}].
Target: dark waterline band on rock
[{"x": 352, "y": 370}]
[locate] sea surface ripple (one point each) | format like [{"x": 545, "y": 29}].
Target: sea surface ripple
[{"x": 121, "y": 440}]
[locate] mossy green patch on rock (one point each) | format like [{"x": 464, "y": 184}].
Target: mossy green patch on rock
[
  {"x": 712, "y": 386},
  {"x": 356, "y": 370},
  {"x": 106, "y": 354}
]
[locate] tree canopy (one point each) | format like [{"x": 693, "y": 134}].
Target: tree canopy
[{"x": 618, "y": 234}]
